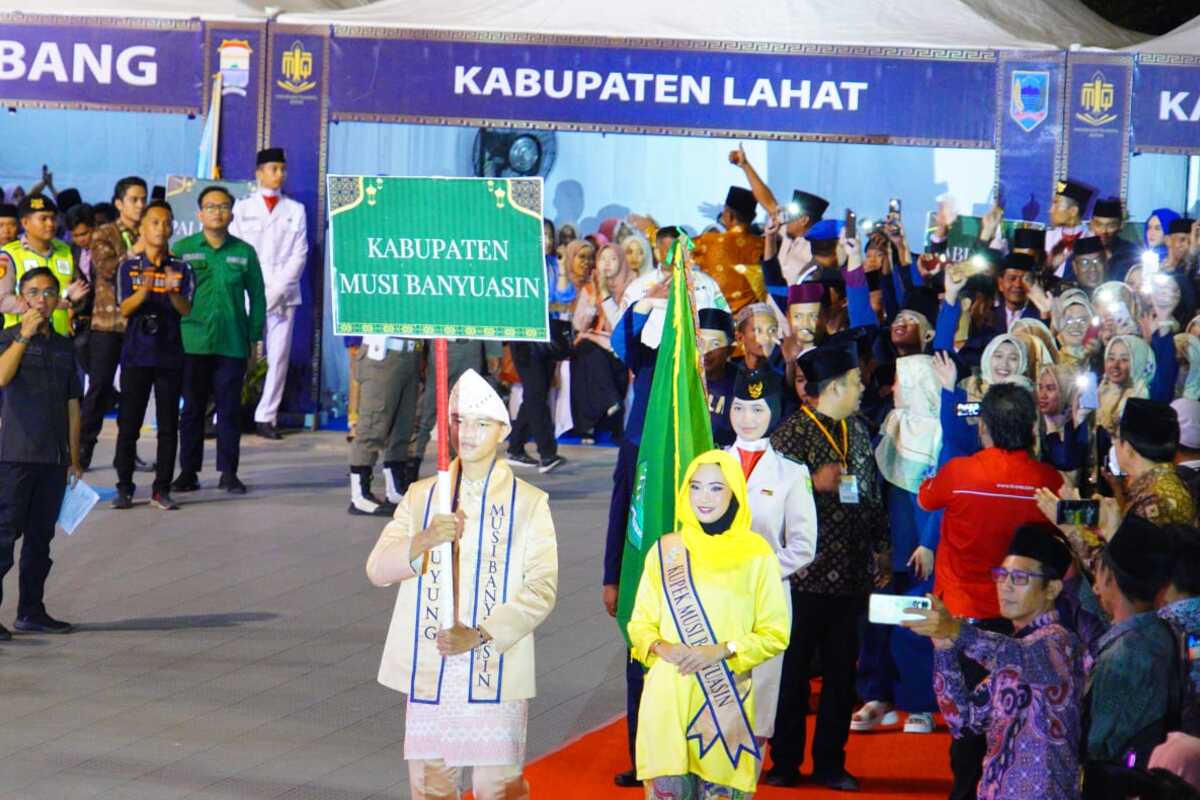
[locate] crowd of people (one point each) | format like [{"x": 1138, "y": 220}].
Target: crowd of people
[
  {"x": 1009, "y": 438},
  {"x": 102, "y": 310},
  {"x": 1011, "y": 432}
]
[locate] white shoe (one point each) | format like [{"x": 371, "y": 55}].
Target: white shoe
[
  {"x": 875, "y": 714},
  {"x": 919, "y": 723},
  {"x": 392, "y": 491}
]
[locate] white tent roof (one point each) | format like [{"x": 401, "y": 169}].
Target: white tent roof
[
  {"x": 257, "y": 10},
  {"x": 1184, "y": 40},
  {"x": 1008, "y": 24}
]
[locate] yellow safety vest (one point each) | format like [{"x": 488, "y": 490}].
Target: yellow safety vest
[{"x": 60, "y": 262}]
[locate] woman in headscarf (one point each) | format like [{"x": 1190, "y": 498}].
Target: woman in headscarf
[
  {"x": 896, "y": 667},
  {"x": 1039, "y": 344},
  {"x": 1004, "y": 360},
  {"x": 579, "y": 259},
  {"x": 1072, "y": 318},
  {"x": 722, "y": 577},
  {"x": 1063, "y": 434},
  {"x": 1157, "y": 224},
  {"x": 782, "y": 509},
  {"x": 1129, "y": 368},
  {"x": 598, "y": 377},
  {"x": 637, "y": 252},
  {"x": 1187, "y": 351},
  {"x": 1118, "y": 308}
]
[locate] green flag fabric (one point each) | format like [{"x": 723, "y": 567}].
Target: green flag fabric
[{"x": 677, "y": 429}]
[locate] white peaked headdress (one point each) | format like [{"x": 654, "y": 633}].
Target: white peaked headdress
[{"x": 472, "y": 395}]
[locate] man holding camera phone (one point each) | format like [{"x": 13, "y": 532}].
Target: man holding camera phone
[
  {"x": 154, "y": 290},
  {"x": 39, "y": 438}
]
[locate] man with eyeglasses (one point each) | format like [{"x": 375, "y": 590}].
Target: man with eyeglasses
[
  {"x": 217, "y": 339},
  {"x": 39, "y": 443},
  {"x": 984, "y": 496},
  {"x": 1022, "y": 692}
]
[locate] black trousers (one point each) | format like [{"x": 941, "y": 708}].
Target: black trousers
[
  {"x": 635, "y": 676},
  {"x": 534, "y": 419},
  {"x": 218, "y": 377},
  {"x": 136, "y": 383},
  {"x": 967, "y": 751},
  {"x": 104, "y": 354},
  {"x": 30, "y": 497},
  {"x": 825, "y": 624}
]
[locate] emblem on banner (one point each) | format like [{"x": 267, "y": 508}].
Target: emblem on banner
[
  {"x": 234, "y": 61},
  {"x": 1097, "y": 97},
  {"x": 297, "y": 68},
  {"x": 1029, "y": 104}
]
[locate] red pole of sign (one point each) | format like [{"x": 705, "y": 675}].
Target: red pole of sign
[{"x": 441, "y": 373}]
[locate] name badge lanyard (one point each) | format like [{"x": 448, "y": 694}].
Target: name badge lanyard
[
  {"x": 844, "y": 452},
  {"x": 848, "y": 485}
]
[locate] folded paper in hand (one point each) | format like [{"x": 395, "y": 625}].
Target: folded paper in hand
[{"x": 77, "y": 502}]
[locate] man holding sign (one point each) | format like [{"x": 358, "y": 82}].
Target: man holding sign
[{"x": 475, "y": 674}]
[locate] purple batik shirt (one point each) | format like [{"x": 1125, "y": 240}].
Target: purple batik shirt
[{"x": 1029, "y": 707}]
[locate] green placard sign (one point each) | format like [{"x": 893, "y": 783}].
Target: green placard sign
[{"x": 434, "y": 257}]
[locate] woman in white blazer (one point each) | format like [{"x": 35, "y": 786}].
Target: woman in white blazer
[{"x": 782, "y": 511}]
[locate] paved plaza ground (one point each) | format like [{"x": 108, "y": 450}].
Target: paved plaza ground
[{"x": 229, "y": 649}]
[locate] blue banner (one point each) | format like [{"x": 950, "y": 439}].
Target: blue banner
[
  {"x": 791, "y": 92},
  {"x": 297, "y": 121},
  {"x": 1099, "y": 98},
  {"x": 1029, "y": 106},
  {"x": 1166, "y": 104},
  {"x": 126, "y": 64},
  {"x": 239, "y": 52}
]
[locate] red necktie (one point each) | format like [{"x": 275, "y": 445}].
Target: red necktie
[
  {"x": 749, "y": 460},
  {"x": 1068, "y": 239},
  {"x": 270, "y": 200}
]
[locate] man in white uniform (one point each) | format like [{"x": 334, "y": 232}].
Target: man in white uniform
[{"x": 275, "y": 225}]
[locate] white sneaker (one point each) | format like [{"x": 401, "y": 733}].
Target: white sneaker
[
  {"x": 875, "y": 714},
  {"x": 919, "y": 723}
]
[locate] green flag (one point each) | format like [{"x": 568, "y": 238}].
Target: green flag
[{"x": 677, "y": 429}]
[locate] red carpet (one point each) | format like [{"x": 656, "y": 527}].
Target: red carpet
[{"x": 888, "y": 764}]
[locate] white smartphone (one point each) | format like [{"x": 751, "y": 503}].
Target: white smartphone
[{"x": 889, "y": 609}]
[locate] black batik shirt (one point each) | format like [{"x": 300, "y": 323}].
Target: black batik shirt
[{"x": 848, "y": 536}]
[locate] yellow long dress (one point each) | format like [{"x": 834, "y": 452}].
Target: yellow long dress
[{"x": 736, "y": 577}]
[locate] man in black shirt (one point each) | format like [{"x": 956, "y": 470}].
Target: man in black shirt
[{"x": 39, "y": 438}]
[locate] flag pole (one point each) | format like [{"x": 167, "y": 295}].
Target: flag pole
[{"x": 445, "y": 552}]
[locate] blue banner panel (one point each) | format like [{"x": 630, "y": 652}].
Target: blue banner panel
[
  {"x": 84, "y": 62},
  {"x": 297, "y": 121},
  {"x": 1029, "y": 107},
  {"x": 239, "y": 52},
  {"x": 1166, "y": 104},
  {"x": 883, "y": 95},
  {"x": 1099, "y": 98}
]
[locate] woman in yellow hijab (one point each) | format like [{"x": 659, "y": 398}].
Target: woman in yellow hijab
[{"x": 709, "y": 608}]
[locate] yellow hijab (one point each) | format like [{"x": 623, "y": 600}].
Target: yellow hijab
[{"x": 736, "y": 545}]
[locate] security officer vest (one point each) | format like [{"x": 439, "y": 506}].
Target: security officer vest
[{"x": 60, "y": 262}]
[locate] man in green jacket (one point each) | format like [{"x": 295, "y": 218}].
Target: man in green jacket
[{"x": 217, "y": 339}]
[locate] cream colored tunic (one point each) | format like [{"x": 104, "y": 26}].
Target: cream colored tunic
[{"x": 470, "y": 709}]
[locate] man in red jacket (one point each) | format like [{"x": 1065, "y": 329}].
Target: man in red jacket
[{"x": 986, "y": 497}]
